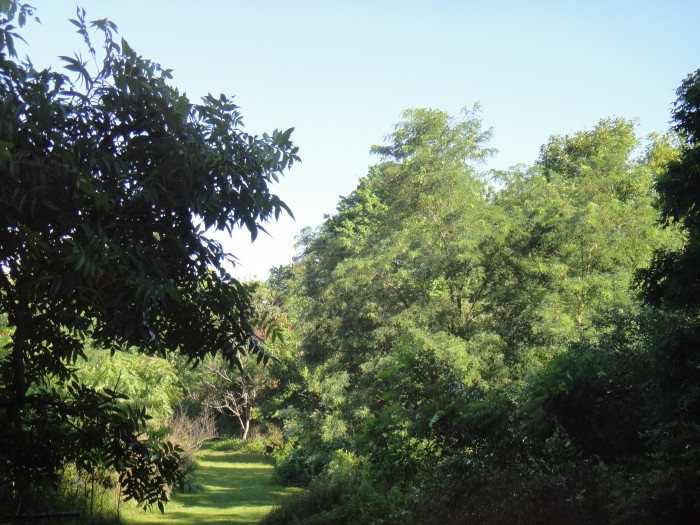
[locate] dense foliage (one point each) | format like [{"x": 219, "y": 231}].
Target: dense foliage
[
  {"x": 110, "y": 182},
  {"x": 453, "y": 345},
  {"x": 473, "y": 348}
]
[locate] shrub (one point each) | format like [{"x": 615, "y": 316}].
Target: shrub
[
  {"x": 341, "y": 494},
  {"x": 191, "y": 433}
]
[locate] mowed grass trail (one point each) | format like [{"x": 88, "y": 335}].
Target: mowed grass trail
[{"x": 231, "y": 487}]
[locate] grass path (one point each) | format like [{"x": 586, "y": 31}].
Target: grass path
[{"x": 231, "y": 488}]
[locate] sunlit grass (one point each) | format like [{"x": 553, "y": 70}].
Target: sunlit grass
[{"x": 230, "y": 488}]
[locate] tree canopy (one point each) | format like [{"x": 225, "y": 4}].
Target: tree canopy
[
  {"x": 112, "y": 181},
  {"x": 472, "y": 347},
  {"x": 673, "y": 280}
]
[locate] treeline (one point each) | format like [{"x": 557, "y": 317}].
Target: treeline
[{"x": 509, "y": 347}]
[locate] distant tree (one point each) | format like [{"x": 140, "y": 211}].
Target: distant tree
[
  {"x": 110, "y": 182},
  {"x": 233, "y": 386},
  {"x": 606, "y": 226},
  {"x": 232, "y": 393}
]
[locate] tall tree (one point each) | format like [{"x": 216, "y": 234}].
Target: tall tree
[
  {"x": 586, "y": 222},
  {"x": 110, "y": 183},
  {"x": 428, "y": 180},
  {"x": 673, "y": 280}
]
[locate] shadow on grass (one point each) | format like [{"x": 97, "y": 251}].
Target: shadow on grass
[{"x": 235, "y": 488}]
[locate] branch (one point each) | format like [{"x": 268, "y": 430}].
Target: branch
[{"x": 219, "y": 372}]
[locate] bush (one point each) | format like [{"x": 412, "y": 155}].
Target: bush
[
  {"x": 342, "y": 494},
  {"x": 190, "y": 434},
  {"x": 296, "y": 465},
  {"x": 464, "y": 490}
]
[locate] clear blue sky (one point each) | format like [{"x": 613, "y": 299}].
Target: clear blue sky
[{"x": 342, "y": 72}]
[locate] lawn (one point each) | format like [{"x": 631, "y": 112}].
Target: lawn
[{"x": 230, "y": 487}]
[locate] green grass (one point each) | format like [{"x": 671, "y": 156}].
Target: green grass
[{"x": 229, "y": 487}]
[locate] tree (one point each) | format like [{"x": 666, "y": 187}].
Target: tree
[
  {"x": 673, "y": 279},
  {"x": 581, "y": 222},
  {"x": 430, "y": 304},
  {"x": 110, "y": 182},
  {"x": 234, "y": 386},
  {"x": 232, "y": 390},
  {"x": 402, "y": 246},
  {"x": 408, "y": 258},
  {"x": 608, "y": 229},
  {"x": 147, "y": 381},
  {"x": 672, "y": 283}
]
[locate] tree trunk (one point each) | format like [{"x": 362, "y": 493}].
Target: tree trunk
[{"x": 245, "y": 423}]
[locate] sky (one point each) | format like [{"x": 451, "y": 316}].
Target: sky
[{"x": 341, "y": 73}]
